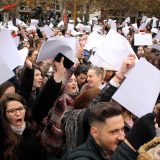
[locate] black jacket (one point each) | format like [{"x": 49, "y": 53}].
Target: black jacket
[
  {"x": 25, "y": 87},
  {"x": 91, "y": 151},
  {"x": 27, "y": 148},
  {"x": 45, "y": 99}
]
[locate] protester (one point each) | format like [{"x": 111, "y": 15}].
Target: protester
[
  {"x": 53, "y": 133},
  {"x": 20, "y": 135},
  {"x": 81, "y": 75},
  {"x": 7, "y": 87},
  {"x": 107, "y": 131},
  {"x": 95, "y": 77}
]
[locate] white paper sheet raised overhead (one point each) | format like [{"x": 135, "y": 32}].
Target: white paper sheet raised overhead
[
  {"x": 99, "y": 62},
  {"x": 144, "y": 18},
  {"x": 5, "y": 72},
  {"x": 139, "y": 92},
  {"x": 66, "y": 46},
  {"x": 23, "y": 53},
  {"x": 94, "y": 41},
  {"x": 48, "y": 31},
  {"x": 8, "y": 50},
  {"x": 114, "y": 49},
  {"x": 34, "y": 22},
  {"x": 142, "y": 39}
]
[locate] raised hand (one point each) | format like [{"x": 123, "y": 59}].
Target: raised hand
[
  {"x": 59, "y": 74},
  {"x": 127, "y": 64},
  {"x": 28, "y": 63}
]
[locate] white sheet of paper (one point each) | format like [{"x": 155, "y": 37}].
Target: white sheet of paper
[
  {"x": 48, "y": 31},
  {"x": 158, "y": 36},
  {"x": 13, "y": 28},
  {"x": 113, "y": 24},
  {"x": 135, "y": 25},
  {"x": 99, "y": 62},
  {"x": 61, "y": 23},
  {"x": 79, "y": 20},
  {"x": 34, "y": 22},
  {"x": 144, "y": 18},
  {"x": 23, "y": 53},
  {"x": 154, "y": 24},
  {"x": 142, "y": 39},
  {"x": 16, "y": 41},
  {"x": 75, "y": 33},
  {"x": 5, "y": 72},
  {"x": 8, "y": 50},
  {"x": 24, "y": 25},
  {"x": 79, "y": 25},
  {"x": 127, "y": 20},
  {"x": 142, "y": 26},
  {"x": 156, "y": 46},
  {"x": 66, "y": 46},
  {"x": 31, "y": 28},
  {"x": 51, "y": 25},
  {"x": 70, "y": 27},
  {"x": 139, "y": 92},
  {"x": 148, "y": 20},
  {"x": 114, "y": 49},
  {"x": 10, "y": 23},
  {"x": 154, "y": 30},
  {"x": 86, "y": 28},
  {"x": 125, "y": 30},
  {"x": 94, "y": 41},
  {"x": 97, "y": 28},
  {"x": 18, "y": 22}
]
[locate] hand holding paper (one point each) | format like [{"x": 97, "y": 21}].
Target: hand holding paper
[
  {"x": 58, "y": 76},
  {"x": 28, "y": 63},
  {"x": 139, "y": 91},
  {"x": 127, "y": 64}
]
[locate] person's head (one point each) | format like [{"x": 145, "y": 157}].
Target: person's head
[
  {"x": 7, "y": 87},
  {"x": 109, "y": 74},
  {"x": 14, "y": 113},
  {"x": 38, "y": 81},
  {"x": 26, "y": 44},
  {"x": 47, "y": 8},
  {"x": 71, "y": 86},
  {"x": 84, "y": 99},
  {"x": 13, "y": 108},
  {"x": 95, "y": 76},
  {"x": 38, "y": 43},
  {"x": 140, "y": 51},
  {"x": 107, "y": 125},
  {"x": 32, "y": 55},
  {"x": 81, "y": 74}
]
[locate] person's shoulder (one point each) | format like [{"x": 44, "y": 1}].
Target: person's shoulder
[{"x": 82, "y": 153}]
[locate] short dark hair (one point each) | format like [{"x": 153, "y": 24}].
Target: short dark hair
[
  {"x": 103, "y": 110},
  {"x": 81, "y": 69}
]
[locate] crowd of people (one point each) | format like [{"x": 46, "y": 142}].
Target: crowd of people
[{"x": 49, "y": 112}]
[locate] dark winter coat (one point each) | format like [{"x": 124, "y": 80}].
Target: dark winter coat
[{"x": 91, "y": 151}]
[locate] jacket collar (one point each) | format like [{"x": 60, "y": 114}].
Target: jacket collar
[{"x": 92, "y": 145}]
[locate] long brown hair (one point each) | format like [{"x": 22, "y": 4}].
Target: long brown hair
[
  {"x": 10, "y": 138},
  {"x": 85, "y": 98}
]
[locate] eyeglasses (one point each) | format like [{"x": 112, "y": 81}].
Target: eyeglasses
[{"x": 14, "y": 111}]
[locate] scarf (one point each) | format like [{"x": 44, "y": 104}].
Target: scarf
[
  {"x": 70, "y": 125},
  {"x": 19, "y": 131}
]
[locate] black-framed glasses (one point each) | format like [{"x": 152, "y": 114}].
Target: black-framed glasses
[{"x": 14, "y": 110}]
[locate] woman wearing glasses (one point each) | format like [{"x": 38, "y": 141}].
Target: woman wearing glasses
[{"x": 19, "y": 135}]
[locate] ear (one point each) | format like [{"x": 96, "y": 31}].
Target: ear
[
  {"x": 100, "y": 77},
  {"x": 94, "y": 132}
]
